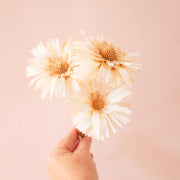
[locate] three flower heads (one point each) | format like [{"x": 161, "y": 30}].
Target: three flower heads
[{"x": 95, "y": 75}]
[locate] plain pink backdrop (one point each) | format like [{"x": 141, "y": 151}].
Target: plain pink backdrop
[{"x": 149, "y": 147}]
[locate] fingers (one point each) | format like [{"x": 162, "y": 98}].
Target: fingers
[
  {"x": 84, "y": 145},
  {"x": 69, "y": 143}
]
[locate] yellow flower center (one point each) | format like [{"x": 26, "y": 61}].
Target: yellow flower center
[
  {"x": 109, "y": 54},
  {"x": 57, "y": 67},
  {"x": 97, "y": 101}
]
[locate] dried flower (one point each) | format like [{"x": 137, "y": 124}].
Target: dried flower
[
  {"x": 54, "y": 68},
  {"x": 100, "y": 109},
  {"x": 107, "y": 62}
]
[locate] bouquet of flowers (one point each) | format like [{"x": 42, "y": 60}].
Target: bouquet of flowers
[{"x": 95, "y": 75}]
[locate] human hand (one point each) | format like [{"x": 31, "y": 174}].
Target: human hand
[{"x": 71, "y": 159}]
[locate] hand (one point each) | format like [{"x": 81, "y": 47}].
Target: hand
[{"x": 71, "y": 159}]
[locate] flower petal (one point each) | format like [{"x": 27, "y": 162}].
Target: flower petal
[
  {"x": 133, "y": 65},
  {"x": 45, "y": 90},
  {"x": 82, "y": 121},
  {"x": 53, "y": 83},
  {"x": 40, "y": 51},
  {"x": 54, "y": 47},
  {"x": 96, "y": 124},
  {"x": 104, "y": 74},
  {"x": 105, "y": 129},
  {"x": 111, "y": 108},
  {"x": 111, "y": 127},
  {"x": 118, "y": 94},
  {"x": 34, "y": 80},
  {"x": 120, "y": 117}
]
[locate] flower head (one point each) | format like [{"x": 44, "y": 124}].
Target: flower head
[
  {"x": 100, "y": 110},
  {"x": 109, "y": 63},
  {"x": 54, "y": 69}
]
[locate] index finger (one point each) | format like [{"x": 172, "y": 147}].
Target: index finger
[{"x": 69, "y": 142}]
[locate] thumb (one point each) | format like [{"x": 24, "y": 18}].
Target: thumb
[{"x": 84, "y": 145}]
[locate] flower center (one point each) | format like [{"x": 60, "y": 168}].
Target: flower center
[
  {"x": 109, "y": 54},
  {"x": 97, "y": 101},
  {"x": 57, "y": 67}
]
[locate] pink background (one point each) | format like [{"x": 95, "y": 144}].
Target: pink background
[{"x": 149, "y": 147}]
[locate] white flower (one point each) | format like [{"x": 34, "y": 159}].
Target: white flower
[
  {"x": 54, "y": 69},
  {"x": 107, "y": 62},
  {"x": 100, "y": 110}
]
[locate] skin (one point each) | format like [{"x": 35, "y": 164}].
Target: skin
[{"x": 71, "y": 159}]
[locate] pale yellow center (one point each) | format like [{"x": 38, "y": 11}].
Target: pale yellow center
[
  {"x": 109, "y": 54},
  {"x": 57, "y": 67},
  {"x": 97, "y": 101}
]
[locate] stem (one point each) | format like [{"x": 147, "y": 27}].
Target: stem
[{"x": 80, "y": 134}]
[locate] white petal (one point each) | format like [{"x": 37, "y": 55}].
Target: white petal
[
  {"x": 105, "y": 89},
  {"x": 133, "y": 65},
  {"x": 39, "y": 84},
  {"x": 54, "y": 47},
  {"x": 104, "y": 74},
  {"x": 40, "y": 51},
  {"x": 115, "y": 79},
  {"x": 75, "y": 85},
  {"x": 89, "y": 131},
  {"x": 72, "y": 87},
  {"x": 110, "y": 123},
  {"x": 45, "y": 90},
  {"x": 105, "y": 129},
  {"x": 111, "y": 108},
  {"x": 84, "y": 90},
  {"x": 83, "y": 107},
  {"x": 118, "y": 94},
  {"x": 69, "y": 88},
  {"x": 124, "y": 119},
  {"x": 78, "y": 104},
  {"x": 32, "y": 71},
  {"x": 96, "y": 85},
  {"x": 53, "y": 82},
  {"x": 107, "y": 76},
  {"x": 34, "y": 80},
  {"x": 115, "y": 120},
  {"x": 75, "y": 76},
  {"x": 63, "y": 87},
  {"x": 96, "y": 124},
  {"x": 125, "y": 75},
  {"x": 60, "y": 87},
  {"x": 77, "y": 118},
  {"x": 82, "y": 121}
]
